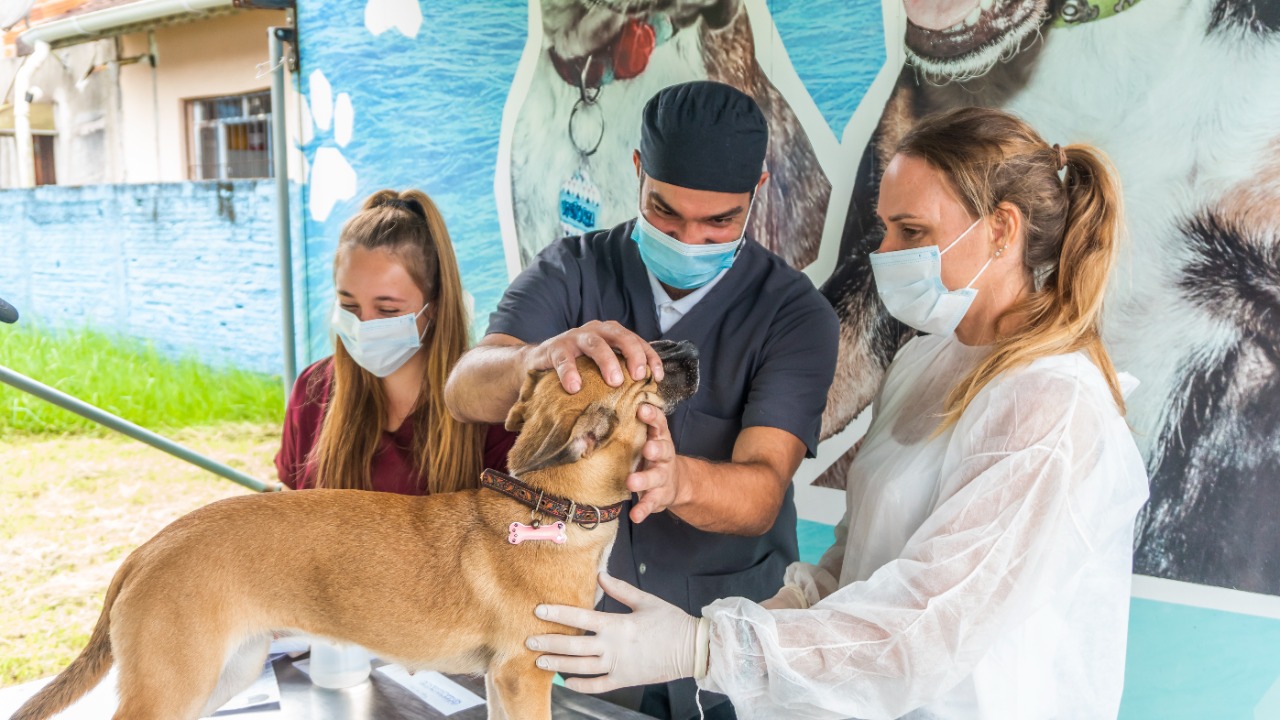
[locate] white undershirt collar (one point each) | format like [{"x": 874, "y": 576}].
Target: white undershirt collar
[{"x": 670, "y": 311}]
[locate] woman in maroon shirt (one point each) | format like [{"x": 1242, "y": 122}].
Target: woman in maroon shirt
[{"x": 372, "y": 416}]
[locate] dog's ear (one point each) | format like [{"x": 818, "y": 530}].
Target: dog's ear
[
  {"x": 515, "y": 416},
  {"x": 563, "y": 444}
]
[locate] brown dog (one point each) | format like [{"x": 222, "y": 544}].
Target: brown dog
[{"x": 428, "y": 582}]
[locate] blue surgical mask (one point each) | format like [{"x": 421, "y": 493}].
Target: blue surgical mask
[
  {"x": 909, "y": 283},
  {"x": 380, "y": 346},
  {"x": 680, "y": 265}
]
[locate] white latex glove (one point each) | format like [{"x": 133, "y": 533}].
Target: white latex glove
[
  {"x": 789, "y": 597},
  {"x": 656, "y": 642}
]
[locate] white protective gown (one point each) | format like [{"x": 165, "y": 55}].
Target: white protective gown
[{"x": 983, "y": 572}]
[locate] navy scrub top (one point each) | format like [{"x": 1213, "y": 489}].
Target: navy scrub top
[{"x": 767, "y": 341}]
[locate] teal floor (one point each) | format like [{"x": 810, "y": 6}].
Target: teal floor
[{"x": 1184, "y": 663}]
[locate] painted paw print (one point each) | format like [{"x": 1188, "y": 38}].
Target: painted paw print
[
  {"x": 403, "y": 15},
  {"x": 331, "y": 178}
]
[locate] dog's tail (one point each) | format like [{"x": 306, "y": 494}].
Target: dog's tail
[{"x": 84, "y": 673}]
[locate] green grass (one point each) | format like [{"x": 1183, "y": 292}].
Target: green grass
[{"x": 128, "y": 378}]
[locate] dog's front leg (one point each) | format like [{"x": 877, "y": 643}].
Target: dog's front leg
[
  {"x": 494, "y": 698},
  {"x": 523, "y": 691}
]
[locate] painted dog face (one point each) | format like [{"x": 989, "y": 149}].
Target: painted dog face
[
  {"x": 580, "y": 104},
  {"x": 577, "y": 29},
  {"x": 954, "y": 39}
]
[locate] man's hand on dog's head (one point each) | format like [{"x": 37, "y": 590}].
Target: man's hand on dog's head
[
  {"x": 602, "y": 342},
  {"x": 658, "y": 481}
]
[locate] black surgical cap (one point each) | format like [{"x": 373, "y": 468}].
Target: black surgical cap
[{"x": 704, "y": 136}]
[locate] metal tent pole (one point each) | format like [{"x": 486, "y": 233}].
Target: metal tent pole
[
  {"x": 120, "y": 425},
  {"x": 276, "y": 37}
]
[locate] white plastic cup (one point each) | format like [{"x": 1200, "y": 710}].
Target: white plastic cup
[{"x": 336, "y": 665}]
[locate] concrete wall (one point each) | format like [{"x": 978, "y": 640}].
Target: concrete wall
[
  {"x": 209, "y": 57},
  {"x": 191, "y": 267},
  {"x": 80, "y": 81}
]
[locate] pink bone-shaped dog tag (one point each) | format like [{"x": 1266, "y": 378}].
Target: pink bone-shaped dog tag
[{"x": 520, "y": 533}]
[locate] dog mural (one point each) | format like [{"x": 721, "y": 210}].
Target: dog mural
[
  {"x": 189, "y": 615},
  {"x": 600, "y": 62},
  {"x": 1184, "y": 99}
]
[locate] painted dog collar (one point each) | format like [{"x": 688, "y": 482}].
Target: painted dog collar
[{"x": 1078, "y": 12}]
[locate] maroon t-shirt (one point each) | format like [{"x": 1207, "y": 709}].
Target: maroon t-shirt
[{"x": 394, "y": 468}]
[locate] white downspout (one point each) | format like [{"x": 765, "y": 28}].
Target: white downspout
[{"x": 22, "y": 97}]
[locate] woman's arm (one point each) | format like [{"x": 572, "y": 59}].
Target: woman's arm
[{"x": 1006, "y": 540}]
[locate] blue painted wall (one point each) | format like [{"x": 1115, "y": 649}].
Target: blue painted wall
[{"x": 192, "y": 267}]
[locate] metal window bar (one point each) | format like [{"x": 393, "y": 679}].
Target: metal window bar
[{"x": 230, "y": 137}]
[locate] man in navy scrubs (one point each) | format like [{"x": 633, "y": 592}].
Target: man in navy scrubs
[{"x": 714, "y": 515}]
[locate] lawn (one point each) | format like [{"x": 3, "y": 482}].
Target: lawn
[
  {"x": 74, "y": 507},
  {"x": 78, "y": 498},
  {"x": 128, "y": 378}
]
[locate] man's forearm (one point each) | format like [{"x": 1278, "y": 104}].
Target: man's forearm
[
  {"x": 734, "y": 498},
  {"x": 485, "y": 383}
]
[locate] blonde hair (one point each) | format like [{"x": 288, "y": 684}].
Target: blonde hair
[
  {"x": 449, "y": 453},
  {"x": 1072, "y": 228}
]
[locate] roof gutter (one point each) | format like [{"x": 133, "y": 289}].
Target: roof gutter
[{"x": 103, "y": 22}]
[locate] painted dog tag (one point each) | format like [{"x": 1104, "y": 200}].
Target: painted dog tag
[
  {"x": 579, "y": 205},
  {"x": 521, "y": 532}
]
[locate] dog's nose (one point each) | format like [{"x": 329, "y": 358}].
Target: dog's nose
[
  {"x": 679, "y": 369},
  {"x": 673, "y": 350}
]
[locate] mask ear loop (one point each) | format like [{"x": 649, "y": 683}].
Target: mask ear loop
[
  {"x": 984, "y": 269},
  {"x": 960, "y": 236},
  {"x": 742, "y": 239},
  {"x": 989, "y": 260},
  {"x": 998, "y": 253},
  {"x": 428, "y": 326}
]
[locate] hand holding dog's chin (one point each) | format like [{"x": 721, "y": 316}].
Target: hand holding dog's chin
[
  {"x": 658, "y": 481},
  {"x": 658, "y": 488}
]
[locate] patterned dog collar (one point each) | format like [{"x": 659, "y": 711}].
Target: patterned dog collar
[
  {"x": 1076, "y": 12},
  {"x": 588, "y": 517}
]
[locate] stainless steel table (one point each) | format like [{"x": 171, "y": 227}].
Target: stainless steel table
[{"x": 383, "y": 699}]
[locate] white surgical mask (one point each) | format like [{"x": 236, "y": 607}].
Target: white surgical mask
[
  {"x": 380, "y": 346},
  {"x": 910, "y": 286}
]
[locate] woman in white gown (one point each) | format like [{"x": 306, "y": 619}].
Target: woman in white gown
[{"x": 982, "y": 569}]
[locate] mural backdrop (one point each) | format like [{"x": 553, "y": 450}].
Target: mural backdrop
[{"x": 519, "y": 118}]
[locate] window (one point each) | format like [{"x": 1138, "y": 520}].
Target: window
[
  {"x": 44, "y": 139},
  {"x": 229, "y": 137},
  {"x": 43, "y": 146}
]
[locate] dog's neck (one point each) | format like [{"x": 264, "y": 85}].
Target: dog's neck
[{"x": 578, "y": 481}]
